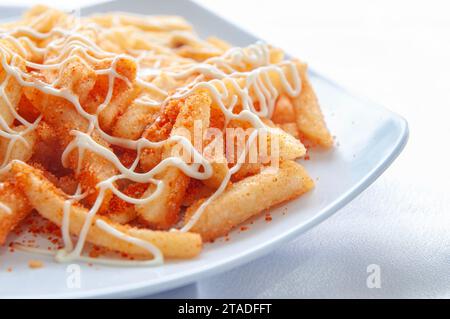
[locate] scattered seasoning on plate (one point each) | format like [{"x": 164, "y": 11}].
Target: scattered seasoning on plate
[{"x": 35, "y": 264}]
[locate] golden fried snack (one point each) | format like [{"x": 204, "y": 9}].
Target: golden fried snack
[
  {"x": 14, "y": 207},
  {"x": 122, "y": 212},
  {"x": 64, "y": 118},
  {"x": 145, "y": 23},
  {"x": 162, "y": 212},
  {"x": 284, "y": 111},
  {"x": 49, "y": 202},
  {"x": 219, "y": 167},
  {"x": 309, "y": 117},
  {"x": 145, "y": 110},
  {"x": 249, "y": 197},
  {"x": 10, "y": 89},
  {"x": 195, "y": 191},
  {"x": 43, "y": 19},
  {"x": 123, "y": 91},
  {"x": 118, "y": 121},
  {"x": 291, "y": 128},
  {"x": 286, "y": 146},
  {"x": 219, "y": 43},
  {"x": 132, "y": 123},
  {"x": 18, "y": 148},
  {"x": 159, "y": 130},
  {"x": 246, "y": 170}
]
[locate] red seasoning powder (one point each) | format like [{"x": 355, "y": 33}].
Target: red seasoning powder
[{"x": 35, "y": 264}]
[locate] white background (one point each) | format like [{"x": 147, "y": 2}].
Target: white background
[{"x": 396, "y": 53}]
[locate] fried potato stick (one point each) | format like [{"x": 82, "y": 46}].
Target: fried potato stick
[
  {"x": 286, "y": 148},
  {"x": 133, "y": 121},
  {"x": 19, "y": 149},
  {"x": 14, "y": 207},
  {"x": 49, "y": 202},
  {"x": 63, "y": 117},
  {"x": 159, "y": 130},
  {"x": 291, "y": 129},
  {"x": 249, "y": 197},
  {"x": 11, "y": 90},
  {"x": 156, "y": 23},
  {"x": 284, "y": 111},
  {"x": 309, "y": 117},
  {"x": 163, "y": 211}
]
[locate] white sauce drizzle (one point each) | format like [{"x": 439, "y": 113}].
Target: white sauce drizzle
[{"x": 71, "y": 44}]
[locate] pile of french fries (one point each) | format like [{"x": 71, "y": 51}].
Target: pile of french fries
[{"x": 103, "y": 131}]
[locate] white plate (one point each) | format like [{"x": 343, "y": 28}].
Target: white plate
[{"x": 369, "y": 138}]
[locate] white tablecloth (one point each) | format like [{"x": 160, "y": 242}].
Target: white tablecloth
[{"x": 398, "y": 54}]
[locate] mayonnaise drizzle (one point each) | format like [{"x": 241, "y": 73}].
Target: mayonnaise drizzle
[{"x": 248, "y": 87}]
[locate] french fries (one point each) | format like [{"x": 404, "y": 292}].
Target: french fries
[
  {"x": 122, "y": 92},
  {"x": 284, "y": 111},
  {"x": 159, "y": 130},
  {"x": 49, "y": 202},
  {"x": 10, "y": 89},
  {"x": 14, "y": 207},
  {"x": 309, "y": 117},
  {"x": 133, "y": 121},
  {"x": 220, "y": 169},
  {"x": 196, "y": 191},
  {"x": 162, "y": 212},
  {"x": 291, "y": 129},
  {"x": 135, "y": 135},
  {"x": 64, "y": 118},
  {"x": 155, "y": 23},
  {"x": 249, "y": 197},
  {"x": 18, "y": 148}
]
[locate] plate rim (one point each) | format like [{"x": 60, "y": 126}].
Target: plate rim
[{"x": 187, "y": 277}]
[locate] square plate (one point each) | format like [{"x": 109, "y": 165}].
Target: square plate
[{"x": 368, "y": 137}]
